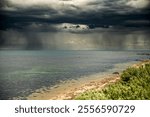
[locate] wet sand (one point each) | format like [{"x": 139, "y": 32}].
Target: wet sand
[{"x": 69, "y": 89}]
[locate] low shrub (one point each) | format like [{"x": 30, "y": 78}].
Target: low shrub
[{"x": 133, "y": 85}]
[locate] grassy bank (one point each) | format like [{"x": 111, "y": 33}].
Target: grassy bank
[{"x": 133, "y": 85}]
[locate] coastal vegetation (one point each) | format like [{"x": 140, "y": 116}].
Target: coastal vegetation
[{"x": 134, "y": 84}]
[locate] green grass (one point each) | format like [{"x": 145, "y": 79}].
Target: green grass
[{"x": 133, "y": 85}]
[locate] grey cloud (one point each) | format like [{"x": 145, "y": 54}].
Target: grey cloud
[
  {"x": 97, "y": 13},
  {"x": 39, "y": 25},
  {"x": 94, "y": 40}
]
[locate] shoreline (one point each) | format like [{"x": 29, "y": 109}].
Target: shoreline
[
  {"x": 95, "y": 84},
  {"x": 69, "y": 89}
]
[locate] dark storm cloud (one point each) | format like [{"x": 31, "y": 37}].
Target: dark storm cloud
[
  {"x": 74, "y": 24},
  {"x": 95, "y": 13}
]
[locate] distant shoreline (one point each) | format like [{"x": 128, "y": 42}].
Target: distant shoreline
[{"x": 70, "y": 89}]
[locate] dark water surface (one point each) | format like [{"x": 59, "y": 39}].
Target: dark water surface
[{"x": 22, "y": 72}]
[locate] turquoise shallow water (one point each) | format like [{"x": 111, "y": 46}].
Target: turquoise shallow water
[{"x": 22, "y": 72}]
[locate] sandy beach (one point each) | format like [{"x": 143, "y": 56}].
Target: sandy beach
[{"x": 70, "y": 89}]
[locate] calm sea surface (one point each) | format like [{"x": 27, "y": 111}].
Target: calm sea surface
[{"x": 22, "y": 72}]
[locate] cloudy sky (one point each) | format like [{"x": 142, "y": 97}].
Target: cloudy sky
[{"x": 74, "y": 24}]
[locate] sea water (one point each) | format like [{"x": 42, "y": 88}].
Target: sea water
[{"x": 24, "y": 71}]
